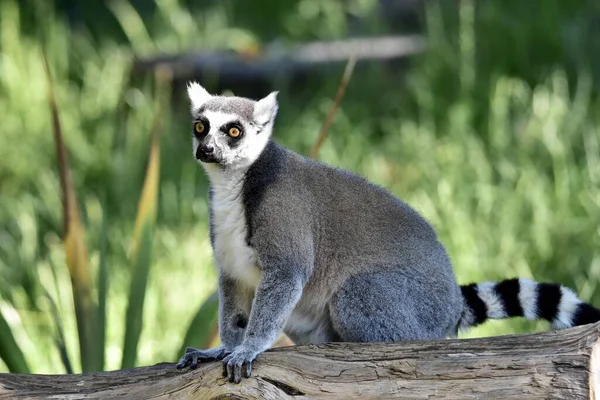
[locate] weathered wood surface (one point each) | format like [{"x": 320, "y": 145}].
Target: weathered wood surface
[{"x": 553, "y": 365}]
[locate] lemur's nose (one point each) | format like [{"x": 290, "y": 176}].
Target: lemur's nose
[{"x": 206, "y": 148}]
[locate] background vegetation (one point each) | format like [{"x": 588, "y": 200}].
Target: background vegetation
[{"x": 493, "y": 135}]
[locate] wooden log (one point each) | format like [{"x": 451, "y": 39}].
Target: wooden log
[{"x": 552, "y": 365}]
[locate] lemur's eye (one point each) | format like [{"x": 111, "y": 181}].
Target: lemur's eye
[
  {"x": 199, "y": 127},
  {"x": 234, "y": 132}
]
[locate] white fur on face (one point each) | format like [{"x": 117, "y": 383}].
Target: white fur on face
[
  {"x": 256, "y": 119},
  {"x": 198, "y": 96},
  {"x": 242, "y": 156},
  {"x": 266, "y": 109}
]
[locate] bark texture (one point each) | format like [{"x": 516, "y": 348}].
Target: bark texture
[{"x": 553, "y": 365}]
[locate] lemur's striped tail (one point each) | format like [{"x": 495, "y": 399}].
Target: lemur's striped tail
[{"x": 525, "y": 298}]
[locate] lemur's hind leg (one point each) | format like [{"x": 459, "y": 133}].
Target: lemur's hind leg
[{"x": 388, "y": 307}]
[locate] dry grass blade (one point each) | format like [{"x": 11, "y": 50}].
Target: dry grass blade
[
  {"x": 75, "y": 248},
  {"x": 149, "y": 198},
  {"x": 336, "y": 103},
  {"x": 147, "y": 205}
]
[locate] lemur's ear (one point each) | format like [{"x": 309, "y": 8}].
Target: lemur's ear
[
  {"x": 265, "y": 109},
  {"x": 197, "y": 94}
]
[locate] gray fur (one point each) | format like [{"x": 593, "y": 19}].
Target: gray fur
[
  {"x": 364, "y": 253},
  {"x": 234, "y": 305},
  {"x": 242, "y": 107}
]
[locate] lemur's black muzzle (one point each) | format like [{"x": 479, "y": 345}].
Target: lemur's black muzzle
[{"x": 206, "y": 153}]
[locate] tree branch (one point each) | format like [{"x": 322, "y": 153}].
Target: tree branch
[
  {"x": 276, "y": 59},
  {"x": 552, "y": 365}
]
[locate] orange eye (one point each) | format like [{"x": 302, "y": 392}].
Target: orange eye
[
  {"x": 234, "y": 132},
  {"x": 199, "y": 127}
]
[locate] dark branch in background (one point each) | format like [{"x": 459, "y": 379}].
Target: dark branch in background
[
  {"x": 336, "y": 103},
  {"x": 278, "y": 60}
]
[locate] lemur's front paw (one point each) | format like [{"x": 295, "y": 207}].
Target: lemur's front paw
[
  {"x": 240, "y": 359},
  {"x": 194, "y": 356}
]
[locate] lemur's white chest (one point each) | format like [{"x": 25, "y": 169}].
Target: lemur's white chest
[{"x": 232, "y": 255}]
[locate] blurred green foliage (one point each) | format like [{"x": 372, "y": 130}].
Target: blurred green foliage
[{"x": 492, "y": 135}]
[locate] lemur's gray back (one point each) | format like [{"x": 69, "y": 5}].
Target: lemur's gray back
[
  {"x": 345, "y": 210},
  {"x": 352, "y": 225}
]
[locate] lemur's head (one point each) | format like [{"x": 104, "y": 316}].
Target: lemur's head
[{"x": 230, "y": 131}]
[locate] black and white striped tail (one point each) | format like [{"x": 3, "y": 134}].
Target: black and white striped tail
[{"x": 525, "y": 298}]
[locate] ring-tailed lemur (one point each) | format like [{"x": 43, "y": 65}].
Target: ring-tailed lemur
[{"x": 324, "y": 255}]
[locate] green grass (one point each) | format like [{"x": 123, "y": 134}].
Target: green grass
[{"x": 493, "y": 136}]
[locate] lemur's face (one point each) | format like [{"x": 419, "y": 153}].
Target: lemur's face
[{"x": 230, "y": 131}]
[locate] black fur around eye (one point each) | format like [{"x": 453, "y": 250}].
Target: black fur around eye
[
  {"x": 233, "y": 130},
  {"x": 201, "y": 127}
]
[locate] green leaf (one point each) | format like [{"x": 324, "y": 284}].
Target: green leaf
[
  {"x": 204, "y": 326},
  {"x": 59, "y": 339},
  {"x": 143, "y": 233},
  {"x": 102, "y": 285},
  {"x": 137, "y": 293},
  {"x": 10, "y": 352}
]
